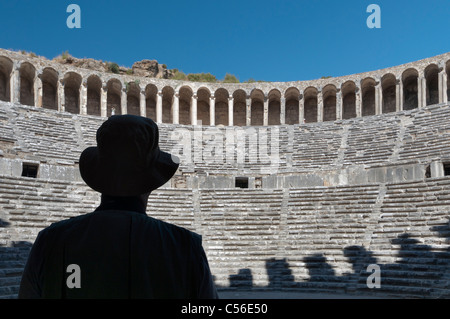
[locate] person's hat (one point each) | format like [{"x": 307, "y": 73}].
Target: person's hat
[{"x": 127, "y": 160}]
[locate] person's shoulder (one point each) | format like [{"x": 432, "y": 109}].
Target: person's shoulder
[
  {"x": 176, "y": 230},
  {"x": 63, "y": 225}
]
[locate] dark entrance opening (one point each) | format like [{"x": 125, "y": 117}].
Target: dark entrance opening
[
  {"x": 241, "y": 182},
  {"x": 30, "y": 170}
]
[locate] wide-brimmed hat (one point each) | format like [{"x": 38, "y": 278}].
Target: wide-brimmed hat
[{"x": 127, "y": 160}]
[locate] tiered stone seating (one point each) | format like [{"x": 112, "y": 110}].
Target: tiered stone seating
[
  {"x": 371, "y": 140},
  {"x": 428, "y": 134},
  {"x": 172, "y": 205},
  {"x": 387, "y": 139},
  {"x": 412, "y": 237},
  {"x": 12, "y": 263},
  {"x": 6, "y": 129},
  {"x": 29, "y": 205},
  {"x": 312, "y": 238},
  {"x": 316, "y": 239},
  {"x": 240, "y": 230},
  {"x": 48, "y": 137},
  {"x": 88, "y": 127},
  {"x": 316, "y": 146},
  {"x": 320, "y": 223}
]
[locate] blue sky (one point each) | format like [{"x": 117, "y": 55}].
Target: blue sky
[{"x": 271, "y": 40}]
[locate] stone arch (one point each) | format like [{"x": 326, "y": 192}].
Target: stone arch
[
  {"x": 221, "y": 106},
  {"x": 203, "y": 106},
  {"x": 348, "y": 91},
  {"x": 167, "y": 101},
  {"x": 6, "y": 66},
  {"x": 72, "y": 84},
  {"x": 368, "y": 96},
  {"x": 329, "y": 102},
  {"x": 94, "y": 95},
  {"x": 310, "y": 94},
  {"x": 113, "y": 97},
  {"x": 274, "y": 111},
  {"x": 292, "y": 110},
  {"x": 185, "y": 94},
  {"x": 133, "y": 98},
  {"x": 410, "y": 89},
  {"x": 239, "y": 108},
  {"x": 49, "y": 78},
  {"x": 150, "y": 101},
  {"x": 257, "y": 107},
  {"x": 27, "y": 73},
  {"x": 389, "y": 89},
  {"x": 431, "y": 74}
]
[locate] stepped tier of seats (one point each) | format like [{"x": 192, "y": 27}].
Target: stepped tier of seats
[
  {"x": 312, "y": 239},
  {"x": 387, "y": 139}
]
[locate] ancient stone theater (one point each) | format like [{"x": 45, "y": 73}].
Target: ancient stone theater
[{"x": 336, "y": 185}]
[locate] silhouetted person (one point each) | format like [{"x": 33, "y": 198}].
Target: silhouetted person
[{"x": 118, "y": 251}]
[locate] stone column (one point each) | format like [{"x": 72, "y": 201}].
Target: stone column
[
  {"x": 230, "y": 111},
  {"x": 399, "y": 95},
  {"x": 283, "y": 111},
  {"x": 142, "y": 104},
  {"x": 123, "y": 101},
  {"x": 15, "y": 84},
  {"x": 320, "y": 106},
  {"x": 104, "y": 101},
  {"x": 61, "y": 96},
  {"x": 301, "y": 105},
  {"x": 159, "y": 97},
  {"x": 194, "y": 109},
  {"x": 83, "y": 97},
  {"x": 266, "y": 111},
  {"x": 421, "y": 91},
  {"x": 37, "y": 91},
  {"x": 358, "y": 99},
  {"x": 176, "y": 108},
  {"x": 444, "y": 88},
  {"x": 339, "y": 104},
  {"x": 212, "y": 110},
  {"x": 248, "y": 111},
  {"x": 378, "y": 99}
]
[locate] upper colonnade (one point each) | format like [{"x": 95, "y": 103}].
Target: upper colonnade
[{"x": 43, "y": 83}]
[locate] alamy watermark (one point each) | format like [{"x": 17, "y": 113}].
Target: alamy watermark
[
  {"x": 374, "y": 279},
  {"x": 74, "y": 279},
  {"x": 74, "y": 19},
  {"x": 258, "y": 147},
  {"x": 374, "y": 19}
]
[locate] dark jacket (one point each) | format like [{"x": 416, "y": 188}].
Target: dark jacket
[{"x": 121, "y": 253}]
